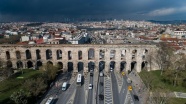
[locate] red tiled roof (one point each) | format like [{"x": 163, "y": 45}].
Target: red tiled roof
[
  {"x": 177, "y": 47},
  {"x": 39, "y": 41},
  {"x": 22, "y": 43},
  {"x": 170, "y": 39},
  {"x": 184, "y": 43},
  {"x": 57, "y": 36}
]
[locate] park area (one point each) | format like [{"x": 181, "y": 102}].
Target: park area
[
  {"x": 157, "y": 81},
  {"x": 14, "y": 83}
]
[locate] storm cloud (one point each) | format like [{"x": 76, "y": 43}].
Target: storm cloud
[{"x": 56, "y": 10}]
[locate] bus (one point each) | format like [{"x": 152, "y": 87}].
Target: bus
[
  {"x": 79, "y": 77},
  {"x": 64, "y": 86}
]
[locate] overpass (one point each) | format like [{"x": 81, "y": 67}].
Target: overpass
[{"x": 71, "y": 57}]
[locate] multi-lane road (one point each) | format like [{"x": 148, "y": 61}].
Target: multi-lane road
[
  {"x": 113, "y": 90},
  {"x": 90, "y": 92}
]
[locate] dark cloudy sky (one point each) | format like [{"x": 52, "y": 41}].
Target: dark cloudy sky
[{"x": 56, "y": 10}]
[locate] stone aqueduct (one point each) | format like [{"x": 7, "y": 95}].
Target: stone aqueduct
[{"x": 69, "y": 57}]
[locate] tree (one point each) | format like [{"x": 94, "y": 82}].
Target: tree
[
  {"x": 19, "y": 97},
  {"x": 5, "y": 71},
  {"x": 159, "y": 96},
  {"x": 147, "y": 78},
  {"x": 176, "y": 69},
  {"x": 163, "y": 56},
  {"x": 35, "y": 86},
  {"x": 12, "y": 39},
  {"x": 150, "y": 59},
  {"x": 49, "y": 71}
]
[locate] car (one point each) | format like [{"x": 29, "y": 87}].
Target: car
[
  {"x": 136, "y": 98},
  {"x": 101, "y": 74},
  {"x": 91, "y": 74},
  {"x": 130, "y": 88},
  {"x": 101, "y": 97},
  {"x": 111, "y": 69},
  {"x": 90, "y": 87},
  {"x": 91, "y": 70},
  {"x": 50, "y": 100},
  {"x": 101, "y": 83}
]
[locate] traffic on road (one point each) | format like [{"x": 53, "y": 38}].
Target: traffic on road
[{"x": 95, "y": 87}]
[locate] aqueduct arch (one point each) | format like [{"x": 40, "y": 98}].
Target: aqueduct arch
[{"x": 125, "y": 57}]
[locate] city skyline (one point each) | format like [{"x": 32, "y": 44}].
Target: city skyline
[{"x": 59, "y": 10}]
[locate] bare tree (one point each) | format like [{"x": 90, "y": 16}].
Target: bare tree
[
  {"x": 147, "y": 79},
  {"x": 163, "y": 56},
  {"x": 159, "y": 96},
  {"x": 176, "y": 69},
  {"x": 4, "y": 70},
  {"x": 150, "y": 59}
]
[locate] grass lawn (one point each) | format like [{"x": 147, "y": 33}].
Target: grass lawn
[
  {"x": 177, "y": 101},
  {"x": 159, "y": 82},
  {"x": 14, "y": 83}
]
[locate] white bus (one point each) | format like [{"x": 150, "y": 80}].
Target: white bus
[
  {"x": 79, "y": 80},
  {"x": 64, "y": 86}
]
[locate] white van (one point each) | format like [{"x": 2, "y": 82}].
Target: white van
[
  {"x": 50, "y": 100},
  {"x": 64, "y": 86}
]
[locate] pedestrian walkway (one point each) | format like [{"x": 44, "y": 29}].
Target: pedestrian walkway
[
  {"x": 128, "y": 99},
  {"x": 71, "y": 100},
  {"x": 72, "y": 79},
  {"x": 108, "y": 91},
  {"x": 138, "y": 86},
  {"x": 180, "y": 94}
]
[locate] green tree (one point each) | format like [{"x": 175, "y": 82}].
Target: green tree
[
  {"x": 19, "y": 97},
  {"x": 49, "y": 71},
  {"x": 35, "y": 86}
]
